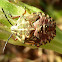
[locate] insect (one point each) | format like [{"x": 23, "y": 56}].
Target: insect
[{"x": 34, "y": 29}]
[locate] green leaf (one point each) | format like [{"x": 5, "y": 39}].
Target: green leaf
[{"x": 18, "y": 9}]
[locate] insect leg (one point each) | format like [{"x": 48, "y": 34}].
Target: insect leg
[
  {"x": 7, "y": 17},
  {"x": 14, "y": 38},
  {"x": 7, "y": 42},
  {"x": 14, "y": 17},
  {"x": 18, "y": 16},
  {"x": 24, "y": 12}
]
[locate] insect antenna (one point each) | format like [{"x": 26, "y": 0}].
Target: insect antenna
[
  {"x": 7, "y": 42},
  {"x": 7, "y": 17}
]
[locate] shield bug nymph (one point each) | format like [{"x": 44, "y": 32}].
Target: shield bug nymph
[
  {"x": 33, "y": 29},
  {"x": 44, "y": 29}
]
